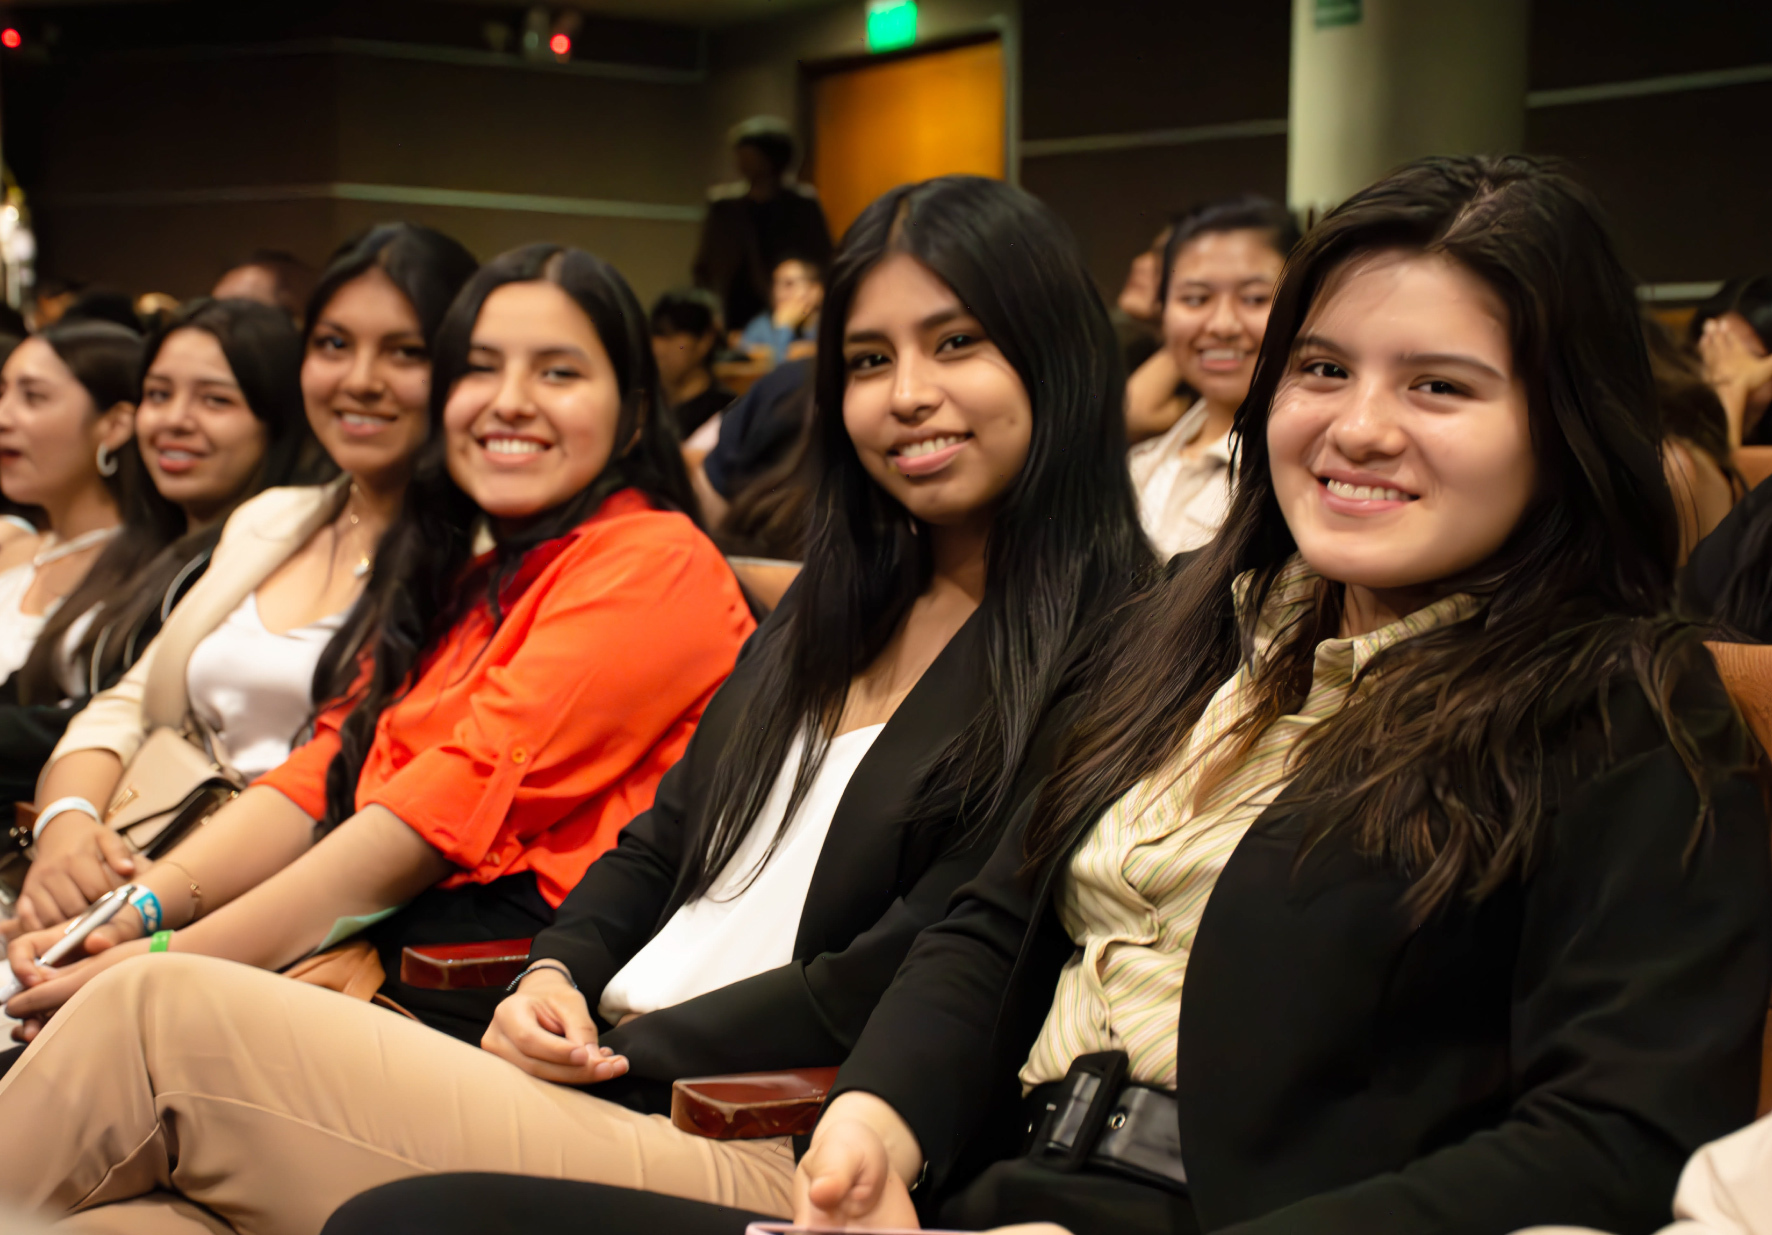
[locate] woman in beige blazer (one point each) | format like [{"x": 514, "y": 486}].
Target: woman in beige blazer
[{"x": 235, "y": 660}]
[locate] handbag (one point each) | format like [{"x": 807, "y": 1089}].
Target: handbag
[
  {"x": 170, "y": 787},
  {"x": 352, "y": 969}
]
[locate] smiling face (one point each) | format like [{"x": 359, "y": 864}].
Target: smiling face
[
  {"x": 938, "y": 416},
  {"x": 533, "y": 420},
  {"x": 1399, "y": 438},
  {"x": 1219, "y": 295},
  {"x": 50, "y": 431},
  {"x": 366, "y": 380},
  {"x": 201, "y": 442}
]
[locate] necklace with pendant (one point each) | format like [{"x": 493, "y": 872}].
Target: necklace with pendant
[{"x": 362, "y": 566}]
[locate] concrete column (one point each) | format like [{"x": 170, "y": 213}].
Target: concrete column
[{"x": 1378, "y": 82}]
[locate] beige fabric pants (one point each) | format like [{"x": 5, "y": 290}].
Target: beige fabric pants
[{"x": 267, "y": 1103}]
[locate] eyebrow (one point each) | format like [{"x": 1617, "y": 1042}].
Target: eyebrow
[
  {"x": 1428, "y": 358},
  {"x": 939, "y": 318}
]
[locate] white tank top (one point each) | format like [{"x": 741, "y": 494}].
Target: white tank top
[
  {"x": 254, "y": 689},
  {"x": 725, "y": 938},
  {"x": 18, "y": 629}
]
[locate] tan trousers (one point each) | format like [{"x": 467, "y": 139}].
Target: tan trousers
[{"x": 265, "y": 1104}]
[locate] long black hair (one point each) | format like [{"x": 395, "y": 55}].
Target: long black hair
[
  {"x": 1441, "y": 770},
  {"x": 1065, "y": 535},
  {"x": 427, "y": 267},
  {"x": 155, "y": 545},
  {"x": 420, "y": 584}
]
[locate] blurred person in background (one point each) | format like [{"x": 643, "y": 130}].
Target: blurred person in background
[
  {"x": 104, "y": 304},
  {"x": 1138, "y": 309},
  {"x": 787, "y": 330},
  {"x": 51, "y": 300},
  {"x": 1733, "y": 334},
  {"x": 754, "y": 223},
  {"x": 271, "y": 277},
  {"x": 686, "y": 332},
  {"x": 1219, "y": 271},
  {"x": 1695, "y": 450}
]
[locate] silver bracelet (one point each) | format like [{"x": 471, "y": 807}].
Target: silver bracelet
[
  {"x": 558, "y": 967},
  {"x": 60, "y": 806}
]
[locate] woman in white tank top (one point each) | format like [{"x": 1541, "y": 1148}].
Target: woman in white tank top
[{"x": 243, "y": 645}]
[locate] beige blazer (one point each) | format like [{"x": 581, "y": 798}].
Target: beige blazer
[{"x": 258, "y": 538}]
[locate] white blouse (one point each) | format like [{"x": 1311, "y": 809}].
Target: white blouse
[
  {"x": 730, "y": 935},
  {"x": 18, "y": 629},
  {"x": 1182, "y": 499},
  {"x": 254, "y": 689}
]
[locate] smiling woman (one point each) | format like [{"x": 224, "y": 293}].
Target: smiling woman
[
  {"x": 1399, "y": 817},
  {"x": 231, "y": 397}
]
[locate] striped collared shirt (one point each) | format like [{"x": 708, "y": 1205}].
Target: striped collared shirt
[{"x": 1136, "y": 888}]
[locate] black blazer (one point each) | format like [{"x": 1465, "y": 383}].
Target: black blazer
[
  {"x": 877, "y": 884},
  {"x": 1552, "y": 1055}
]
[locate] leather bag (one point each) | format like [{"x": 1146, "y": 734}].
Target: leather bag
[{"x": 171, "y": 781}]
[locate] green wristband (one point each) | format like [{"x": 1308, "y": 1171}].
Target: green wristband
[{"x": 160, "y": 942}]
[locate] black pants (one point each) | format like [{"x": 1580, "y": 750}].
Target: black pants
[
  {"x": 508, "y": 908},
  {"x": 1009, "y": 1192}
]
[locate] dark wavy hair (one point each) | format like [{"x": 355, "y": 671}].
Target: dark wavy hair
[
  {"x": 1440, "y": 771},
  {"x": 423, "y": 581},
  {"x": 157, "y": 545},
  {"x": 1065, "y": 535},
  {"x": 427, "y": 267},
  {"x": 1245, "y": 212}
]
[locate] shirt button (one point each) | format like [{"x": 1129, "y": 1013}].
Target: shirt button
[{"x": 519, "y": 755}]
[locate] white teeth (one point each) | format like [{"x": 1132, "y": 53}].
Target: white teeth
[
  {"x": 177, "y": 456},
  {"x": 512, "y": 446},
  {"x": 918, "y": 449},
  {"x": 1366, "y": 493},
  {"x": 1222, "y": 353},
  {"x": 362, "y": 421}
]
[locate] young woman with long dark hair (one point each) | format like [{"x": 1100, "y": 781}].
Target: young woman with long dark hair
[
  {"x": 518, "y": 705},
  {"x": 971, "y": 519},
  {"x": 237, "y": 659},
  {"x": 1447, "y": 829}
]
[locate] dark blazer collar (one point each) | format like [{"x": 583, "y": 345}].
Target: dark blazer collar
[{"x": 867, "y": 835}]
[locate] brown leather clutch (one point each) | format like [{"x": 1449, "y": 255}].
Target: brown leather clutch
[
  {"x": 748, "y": 1105},
  {"x": 463, "y": 966}
]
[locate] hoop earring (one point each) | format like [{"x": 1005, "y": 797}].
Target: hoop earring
[{"x": 107, "y": 462}]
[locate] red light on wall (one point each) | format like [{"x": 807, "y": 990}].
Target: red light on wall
[
  {"x": 10, "y": 38},
  {"x": 560, "y": 45}
]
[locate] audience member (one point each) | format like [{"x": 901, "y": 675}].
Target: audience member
[
  {"x": 791, "y": 321},
  {"x": 753, "y": 224},
  {"x": 849, "y": 777},
  {"x": 1138, "y": 309},
  {"x": 1732, "y": 332},
  {"x": 1695, "y": 450},
  {"x": 523, "y": 703},
  {"x": 1449, "y": 834},
  {"x": 1727, "y": 579},
  {"x": 271, "y": 277},
  {"x": 67, "y": 408},
  {"x": 757, "y": 433},
  {"x": 239, "y": 658},
  {"x": 102, "y": 304},
  {"x": 51, "y": 299},
  {"x": 219, "y": 421},
  {"x": 1219, "y": 272},
  {"x": 686, "y": 333}
]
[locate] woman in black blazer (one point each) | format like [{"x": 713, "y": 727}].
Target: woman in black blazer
[
  {"x": 1499, "y": 953},
  {"x": 972, "y": 522}
]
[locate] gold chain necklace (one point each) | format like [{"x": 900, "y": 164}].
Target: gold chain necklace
[{"x": 362, "y": 566}]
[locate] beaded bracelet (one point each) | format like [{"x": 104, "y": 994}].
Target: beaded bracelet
[
  {"x": 557, "y": 966},
  {"x": 161, "y": 942}
]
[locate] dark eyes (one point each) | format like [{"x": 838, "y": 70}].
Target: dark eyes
[
  {"x": 1325, "y": 368},
  {"x": 1434, "y": 386},
  {"x": 957, "y": 341},
  {"x": 865, "y": 360},
  {"x": 329, "y": 343}
]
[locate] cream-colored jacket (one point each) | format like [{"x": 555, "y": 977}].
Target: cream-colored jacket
[{"x": 258, "y": 538}]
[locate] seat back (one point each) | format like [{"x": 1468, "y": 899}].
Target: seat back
[{"x": 1746, "y": 670}]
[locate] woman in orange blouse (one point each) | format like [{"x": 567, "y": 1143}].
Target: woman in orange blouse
[{"x": 523, "y": 703}]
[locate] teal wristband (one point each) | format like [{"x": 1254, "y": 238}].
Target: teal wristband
[
  {"x": 147, "y": 904},
  {"x": 161, "y": 942}
]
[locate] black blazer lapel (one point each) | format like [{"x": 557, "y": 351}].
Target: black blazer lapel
[{"x": 866, "y": 843}]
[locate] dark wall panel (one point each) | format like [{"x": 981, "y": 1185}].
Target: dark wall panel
[
  {"x": 1687, "y": 198},
  {"x": 1581, "y": 42},
  {"x": 1136, "y": 65},
  {"x": 1116, "y": 201},
  {"x": 178, "y": 250}
]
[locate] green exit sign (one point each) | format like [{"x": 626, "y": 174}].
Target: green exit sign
[{"x": 891, "y": 24}]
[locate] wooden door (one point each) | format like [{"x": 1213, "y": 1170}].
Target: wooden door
[{"x": 878, "y": 126}]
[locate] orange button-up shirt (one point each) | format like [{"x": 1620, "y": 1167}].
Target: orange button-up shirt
[{"x": 528, "y": 745}]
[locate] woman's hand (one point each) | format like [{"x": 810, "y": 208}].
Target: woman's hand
[
  {"x": 854, "y": 1173},
  {"x": 545, "y": 1028},
  {"x": 78, "y": 860},
  {"x": 48, "y": 989},
  {"x": 1733, "y": 369}
]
